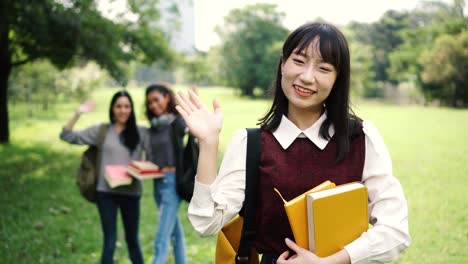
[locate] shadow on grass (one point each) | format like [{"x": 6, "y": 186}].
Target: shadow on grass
[
  {"x": 44, "y": 219},
  {"x": 38, "y": 204}
]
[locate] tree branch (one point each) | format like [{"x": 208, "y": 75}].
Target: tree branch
[{"x": 21, "y": 62}]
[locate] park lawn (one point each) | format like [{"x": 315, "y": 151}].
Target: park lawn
[{"x": 44, "y": 220}]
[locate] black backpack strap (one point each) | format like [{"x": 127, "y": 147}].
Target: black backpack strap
[
  {"x": 252, "y": 164},
  {"x": 177, "y": 142}
]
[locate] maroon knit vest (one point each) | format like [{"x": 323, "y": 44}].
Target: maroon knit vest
[{"x": 293, "y": 171}]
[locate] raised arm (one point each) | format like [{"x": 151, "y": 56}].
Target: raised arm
[
  {"x": 206, "y": 126},
  {"x": 85, "y": 107},
  {"x": 86, "y": 136}
]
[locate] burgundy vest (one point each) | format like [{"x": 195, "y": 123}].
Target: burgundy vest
[{"x": 294, "y": 171}]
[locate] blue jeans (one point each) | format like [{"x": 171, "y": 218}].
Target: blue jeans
[
  {"x": 130, "y": 210},
  {"x": 169, "y": 225}
]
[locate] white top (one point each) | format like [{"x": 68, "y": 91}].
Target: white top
[{"x": 212, "y": 206}]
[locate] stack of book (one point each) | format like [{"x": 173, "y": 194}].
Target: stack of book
[
  {"x": 116, "y": 175},
  {"x": 328, "y": 217},
  {"x": 143, "y": 170}
]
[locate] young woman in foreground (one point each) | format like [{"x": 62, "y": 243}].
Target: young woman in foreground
[{"x": 308, "y": 136}]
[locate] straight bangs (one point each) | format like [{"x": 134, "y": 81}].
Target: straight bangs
[{"x": 329, "y": 49}]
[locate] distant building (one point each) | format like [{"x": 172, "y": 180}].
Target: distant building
[{"x": 182, "y": 27}]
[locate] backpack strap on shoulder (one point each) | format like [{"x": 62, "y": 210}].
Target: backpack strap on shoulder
[
  {"x": 101, "y": 137},
  {"x": 252, "y": 164},
  {"x": 102, "y": 134}
]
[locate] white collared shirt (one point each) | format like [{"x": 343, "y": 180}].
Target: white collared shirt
[{"x": 213, "y": 206}]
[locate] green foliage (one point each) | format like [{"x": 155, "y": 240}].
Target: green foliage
[
  {"x": 198, "y": 70},
  {"x": 45, "y": 220},
  {"x": 425, "y": 27},
  {"x": 41, "y": 84},
  {"x": 449, "y": 77},
  {"x": 362, "y": 76},
  {"x": 408, "y": 64},
  {"x": 249, "y": 38},
  {"x": 61, "y": 32},
  {"x": 67, "y": 32},
  {"x": 396, "y": 43},
  {"x": 384, "y": 37},
  {"x": 35, "y": 85}
]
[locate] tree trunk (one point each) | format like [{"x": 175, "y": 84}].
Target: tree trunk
[
  {"x": 247, "y": 90},
  {"x": 5, "y": 69}
]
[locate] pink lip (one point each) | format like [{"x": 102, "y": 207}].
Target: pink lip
[{"x": 302, "y": 94}]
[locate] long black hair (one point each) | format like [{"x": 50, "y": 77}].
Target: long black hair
[
  {"x": 334, "y": 50},
  {"x": 130, "y": 134},
  {"x": 165, "y": 90}
]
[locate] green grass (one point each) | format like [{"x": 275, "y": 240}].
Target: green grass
[{"x": 44, "y": 220}]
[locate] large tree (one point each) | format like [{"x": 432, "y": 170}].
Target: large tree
[
  {"x": 445, "y": 69},
  {"x": 426, "y": 23},
  {"x": 66, "y": 31},
  {"x": 384, "y": 36},
  {"x": 249, "y": 36}
]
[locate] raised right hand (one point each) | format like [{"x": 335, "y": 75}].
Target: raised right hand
[
  {"x": 86, "y": 106},
  {"x": 203, "y": 124}
]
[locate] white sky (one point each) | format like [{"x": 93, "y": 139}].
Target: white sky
[{"x": 210, "y": 13}]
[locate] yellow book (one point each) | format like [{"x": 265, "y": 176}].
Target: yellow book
[
  {"x": 336, "y": 217},
  {"x": 296, "y": 210}
]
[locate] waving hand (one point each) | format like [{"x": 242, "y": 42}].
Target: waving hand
[{"x": 202, "y": 123}]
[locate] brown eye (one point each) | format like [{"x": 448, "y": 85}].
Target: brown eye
[{"x": 298, "y": 61}]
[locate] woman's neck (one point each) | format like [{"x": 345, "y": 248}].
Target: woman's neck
[
  {"x": 119, "y": 127},
  {"x": 303, "y": 119}
]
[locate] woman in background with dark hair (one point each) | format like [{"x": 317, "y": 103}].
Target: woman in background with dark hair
[
  {"x": 123, "y": 143},
  {"x": 309, "y": 135},
  {"x": 167, "y": 127}
]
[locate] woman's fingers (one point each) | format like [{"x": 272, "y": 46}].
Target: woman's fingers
[
  {"x": 293, "y": 245},
  {"x": 216, "y": 106},
  {"x": 181, "y": 100},
  {"x": 194, "y": 89},
  {"x": 283, "y": 257},
  {"x": 86, "y": 106},
  {"x": 195, "y": 99},
  {"x": 188, "y": 101},
  {"x": 182, "y": 112}
]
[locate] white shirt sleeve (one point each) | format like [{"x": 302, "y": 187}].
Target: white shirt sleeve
[
  {"x": 215, "y": 205},
  {"x": 388, "y": 211}
]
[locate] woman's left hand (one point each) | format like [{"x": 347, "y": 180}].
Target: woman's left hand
[
  {"x": 203, "y": 124},
  {"x": 302, "y": 256}
]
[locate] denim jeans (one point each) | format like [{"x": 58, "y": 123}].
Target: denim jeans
[
  {"x": 130, "y": 210},
  {"x": 169, "y": 225}
]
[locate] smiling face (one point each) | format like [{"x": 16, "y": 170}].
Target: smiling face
[
  {"x": 307, "y": 80},
  {"x": 157, "y": 102},
  {"x": 121, "y": 110}
]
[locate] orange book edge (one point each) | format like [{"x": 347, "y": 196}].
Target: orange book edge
[{"x": 296, "y": 210}]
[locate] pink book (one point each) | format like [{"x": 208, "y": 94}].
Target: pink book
[{"x": 116, "y": 175}]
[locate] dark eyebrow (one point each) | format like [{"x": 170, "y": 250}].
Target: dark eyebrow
[{"x": 302, "y": 53}]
